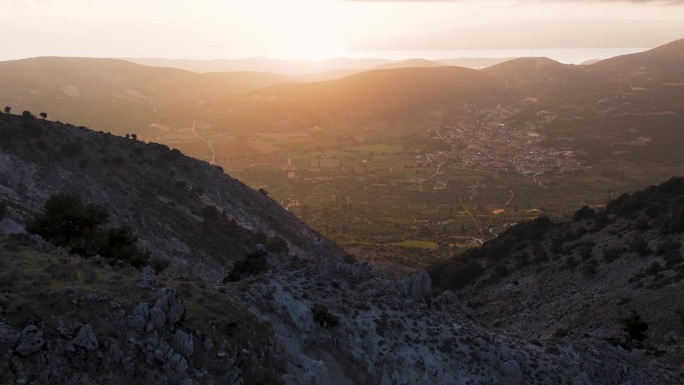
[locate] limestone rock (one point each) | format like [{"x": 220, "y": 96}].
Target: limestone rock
[
  {"x": 146, "y": 278},
  {"x": 8, "y": 335},
  {"x": 31, "y": 341},
  {"x": 417, "y": 287},
  {"x": 183, "y": 343},
  {"x": 325, "y": 268},
  {"x": 157, "y": 318},
  {"x": 512, "y": 373},
  {"x": 169, "y": 301},
  {"x": 85, "y": 339}
]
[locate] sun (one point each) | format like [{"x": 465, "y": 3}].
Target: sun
[{"x": 297, "y": 29}]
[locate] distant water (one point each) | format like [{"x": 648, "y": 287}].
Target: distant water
[{"x": 563, "y": 55}]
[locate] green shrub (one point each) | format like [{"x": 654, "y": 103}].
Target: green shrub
[
  {"x": 640, "y": 247},
  {"x": 589, "y": 269},
  {"x": 277, "y": 244},
  {"x": 585, "y": 212},
  {"x": 322, "y": 317},
  {"x": 611, "y": 254},
  {"x": 3, "y": 210},
  {"x": 635, "y": 327}
]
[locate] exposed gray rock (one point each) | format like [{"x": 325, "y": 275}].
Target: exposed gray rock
[
  {"x": 146, "y": 278},
  {"x": 417, "y": 287},
  {"x": 157, "y": 318},
  {"x": 31, "y": 341},
  {"x": 8, "y": 335},
  {"x": 85, "y": 339},
  {"x": 325, "y": 268},
  {"x": 115, "y": 355},
  {"x": 208, "y": 344},
  {"x": 512, "y": 373},
  {"x": 169, "y": 301},
  {"x": 183, "y": 343}
]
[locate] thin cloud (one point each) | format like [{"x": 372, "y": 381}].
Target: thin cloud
[{"x": 662, "y": 2}]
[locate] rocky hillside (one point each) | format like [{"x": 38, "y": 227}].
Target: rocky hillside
[
  {"x": 183, "y": 210},
  {"x": 586, "y": 278},
  {"x": 305, "y": 316}
]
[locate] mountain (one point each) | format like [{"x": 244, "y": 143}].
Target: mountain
[
  {"x": 98, "y": 91},
  {"x": 262, "y": 64},
  {"x": 340, "y": 73},
  {"x": 291, "y": 317},
  {"x": 585, "y": 277},
  {"x": 661, "y": 63},
  {"x": 170, "y": 211},
  {"x": 372, "y": 96}
]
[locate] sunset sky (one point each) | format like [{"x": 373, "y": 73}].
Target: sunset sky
[{"x": 227, "y": 29}]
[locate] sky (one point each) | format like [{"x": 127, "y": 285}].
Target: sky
[{"x": 317, "y": 29}]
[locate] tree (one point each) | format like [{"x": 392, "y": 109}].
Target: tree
[
  {"x": 65, "y": 220},
  {"x": 8, "y": 109},
  {"x": 585, "y": 212},
  {"x": 27, "y": 115},
  {"x": 134, "y": 136},
  {"x": 3, "y": 210},
  {"x": 635, "y": 327},
  {"x": 43, "y": 115}
]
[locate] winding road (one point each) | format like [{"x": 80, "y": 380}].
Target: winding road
[{"x": 211, "y": 147}]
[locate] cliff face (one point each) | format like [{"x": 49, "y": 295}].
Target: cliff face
[{"x": 66, "y": 319}]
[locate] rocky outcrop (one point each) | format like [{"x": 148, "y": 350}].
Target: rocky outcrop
[
  {"x": 85, "y": 339},
  {"x": 166, "y": 308},
  {"x": 146, "y": 278},
  {"x": 417, "y": 287},
  {"x": 31, "y": 341}
]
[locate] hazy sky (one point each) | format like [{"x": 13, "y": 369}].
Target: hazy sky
[{"x": 203, "y": 29}]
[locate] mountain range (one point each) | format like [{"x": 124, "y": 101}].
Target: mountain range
[{"x": 607, "y": 101}]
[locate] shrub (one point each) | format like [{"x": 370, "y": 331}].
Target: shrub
[
  {"x": 585, "y": 212},
  {"x": 589, "y": 269},
  {"x": 640, "y": 247},
  {"x": 3, "y": 210},
  {"x": 209, "y": 213},
  {"x": 322, "y": 317},
  {"x": 635, "y": 327},
  {"x": 253, "y": 264},
  {"x": 277, "y": 244},
  {"x": 65, "y": 219},
  {"x": 611, "y": 254}
]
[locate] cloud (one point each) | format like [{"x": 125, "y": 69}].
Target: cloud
[{"x": 659, "y": 2}]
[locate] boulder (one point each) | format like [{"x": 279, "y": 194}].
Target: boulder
[
  {"x": 146, "y": 278},
  {"x": 169, "y": 301},
  {"x": 183, "y": 343},
  {"x": 417, "y": 287},
  {"x": 85, "y": 339},
  {"x": 325, "y": 268},
  {"x": 31, "y": 341},
  {"x": 512, "y": 373},
  {"x": 8, "y": 335}
]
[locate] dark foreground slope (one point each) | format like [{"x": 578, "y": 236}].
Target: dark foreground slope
[
  {"x": 67, "y": 319},
  {"x": 183, "y": 210},
  {"x": 585, "y": 278}
]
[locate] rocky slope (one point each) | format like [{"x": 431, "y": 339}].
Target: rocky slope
[
  {"x": 286, "y": 319},
  {"x": 586, "y": 277},
  {"x": 183, "y": 210}
]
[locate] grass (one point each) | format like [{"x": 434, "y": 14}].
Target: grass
[{"x": 415, "y": 243}]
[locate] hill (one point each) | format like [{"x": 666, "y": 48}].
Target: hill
[
  {"x": 97, "y": 92},
  {"x": 277, "y": 318},
  {"x": 585, "y": 277}
]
